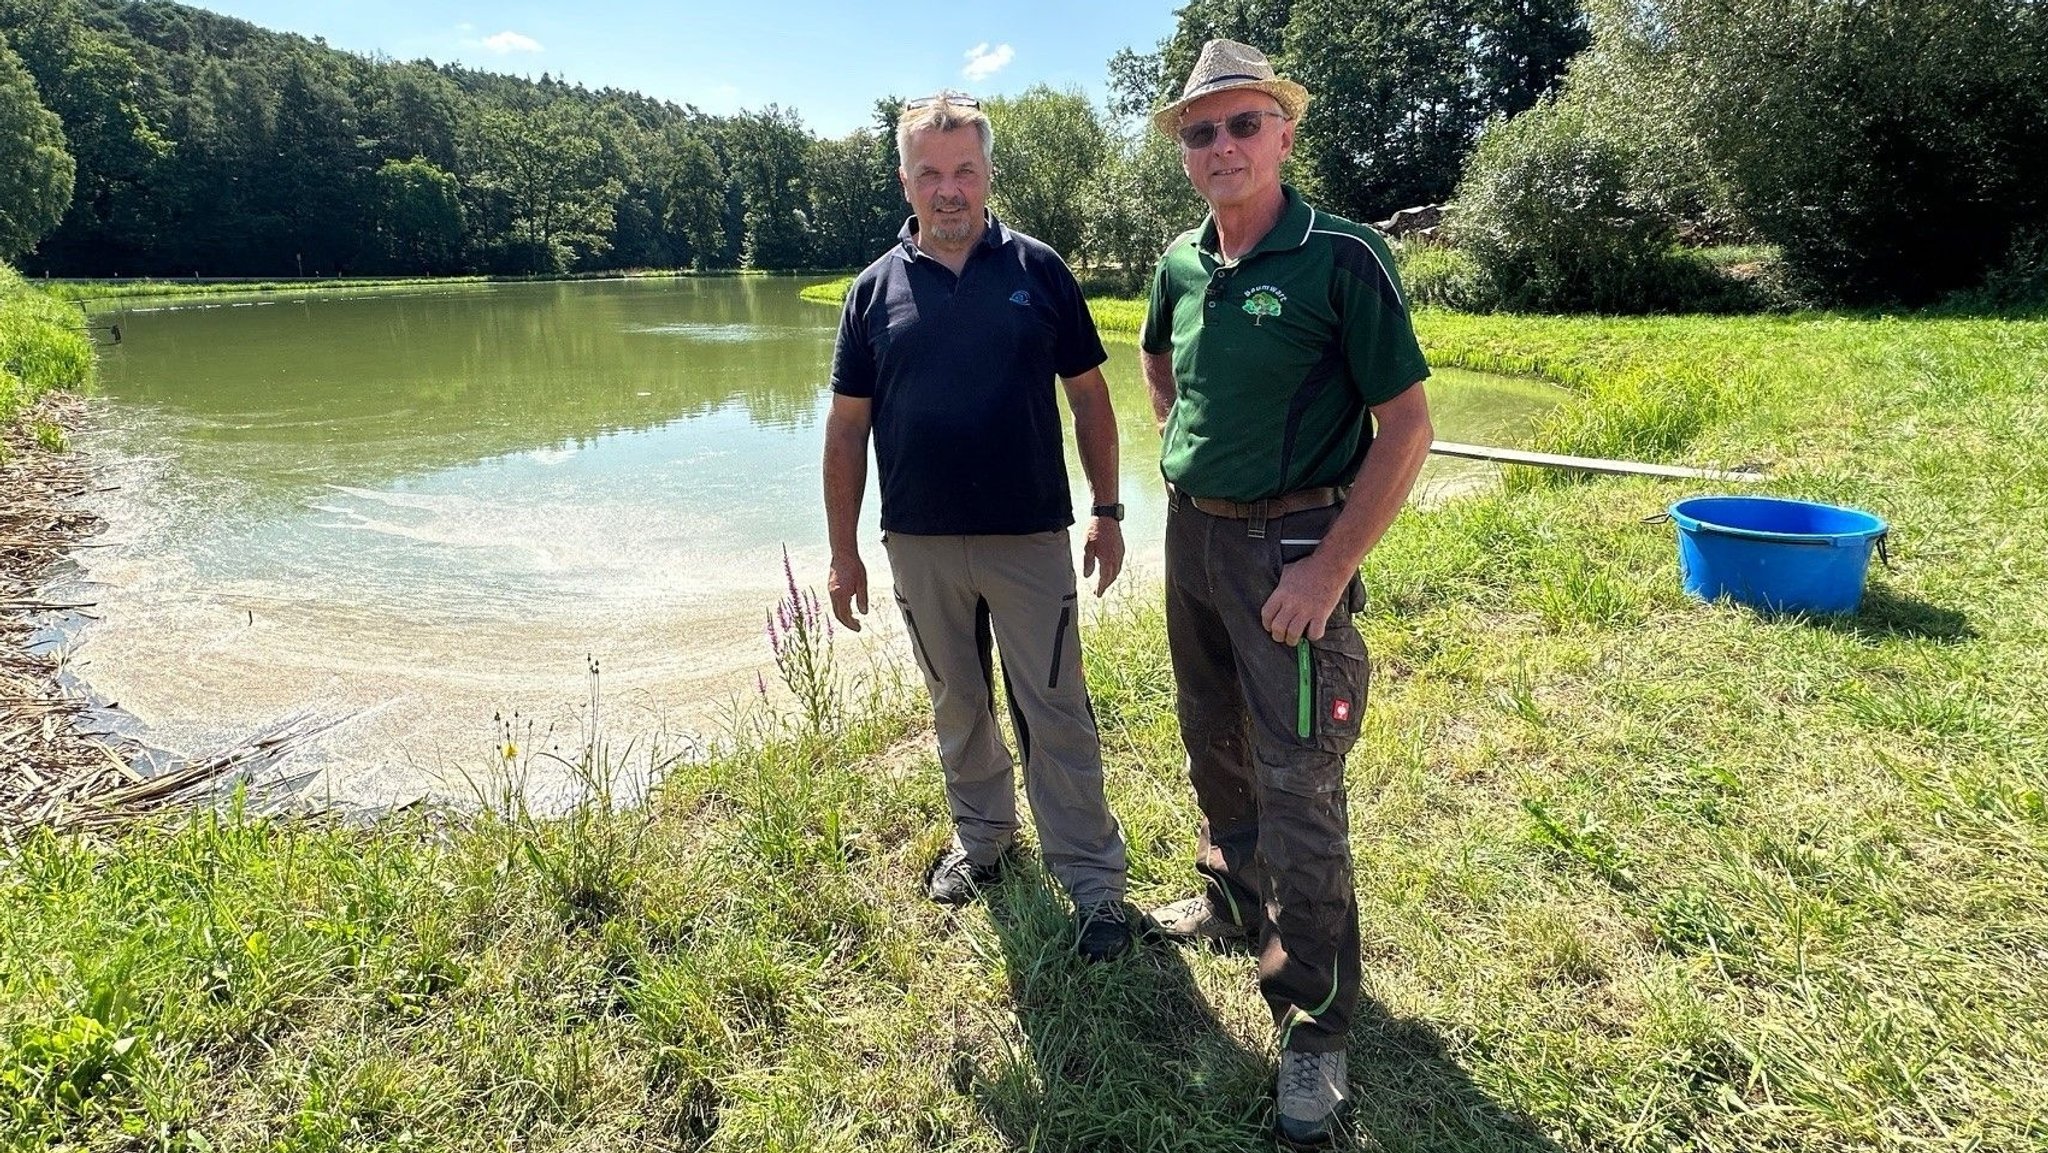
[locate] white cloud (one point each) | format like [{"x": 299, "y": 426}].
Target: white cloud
[
  {"x": 506, "y": 43},
  {"x": 984, "y": 62}
]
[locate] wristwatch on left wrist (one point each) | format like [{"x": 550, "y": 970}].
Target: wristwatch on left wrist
[{"x": 1112, "y": 511}]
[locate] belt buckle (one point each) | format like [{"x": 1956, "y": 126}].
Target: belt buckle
[{"x": 1255, "y": 514}]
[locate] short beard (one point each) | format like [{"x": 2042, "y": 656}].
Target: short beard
[{"x": 949, "y": 233}]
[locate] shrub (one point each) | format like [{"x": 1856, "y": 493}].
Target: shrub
[
  {"x": 1551, "y": 214},
  {"x": 1891, "y": 151},
  {"x": 1547, "y": 211},
  {"x": 2018, "y": 285}
]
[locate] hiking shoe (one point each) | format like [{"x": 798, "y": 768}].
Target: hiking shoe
[
  {"x": 1194, "y": 920},
  {"x": 1314, "y": 1096},
  {"x": 1102, "y": 931},
  {"x": 954, "y": 879}
]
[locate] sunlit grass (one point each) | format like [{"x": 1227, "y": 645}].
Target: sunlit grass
[
  {"x": 1121, "y": 317},
  {"x": 1636, "y": 872},
  {"x": 146, "y": 287},
  {"x": 43, "y": 347},
  {"x": 128, "y": 289}
]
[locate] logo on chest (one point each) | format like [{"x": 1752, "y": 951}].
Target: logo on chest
[
  {"x": 1020, "y": 297},
  {"x": 1264, "y": 301}
]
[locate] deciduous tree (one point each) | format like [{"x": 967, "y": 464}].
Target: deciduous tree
[
  {"x": 35, "y": 169},
  {"x": 419, "y": 215},
  {"x": 1049, "y": 146}
]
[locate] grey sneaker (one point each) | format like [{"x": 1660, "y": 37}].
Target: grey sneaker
[
  {"x": 1194, "y": 920},
  {"x": 1314, "y": 1096},
  {"x": 1102, "y": 931},
  {"x": 954, "y": 878}
]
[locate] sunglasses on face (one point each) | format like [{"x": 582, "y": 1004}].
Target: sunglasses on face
[
  {"x": 1243, "y": 126},
  {"x": 954, "y": 100}
]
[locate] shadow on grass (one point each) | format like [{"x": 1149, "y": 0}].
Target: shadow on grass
[
  {"x": 1886, "y": 615},
  {"x": 1411, "y": 1094},
  {"x": 1129, "y": 1055}
]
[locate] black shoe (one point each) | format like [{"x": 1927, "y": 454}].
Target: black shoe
[
  {"x": 1102, "y": 931},
  {"x": 954, "y": 879}
]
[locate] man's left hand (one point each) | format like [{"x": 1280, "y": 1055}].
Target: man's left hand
[
  {"x": 1302, "y": 604},
  {"x": 1105, "y": 550}
]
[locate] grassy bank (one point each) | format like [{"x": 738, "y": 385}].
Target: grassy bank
[
  {"x": 98, "y": 290},
  {"x": 1636, "y": 873},
  {"x": 1120, "y": 317},
  {"x": 43, "y": 347}
]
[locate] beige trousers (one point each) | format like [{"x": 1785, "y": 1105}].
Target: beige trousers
[{"x": 965, "y": 598}]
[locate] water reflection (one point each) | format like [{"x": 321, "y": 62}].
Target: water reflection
[{"x": 432, "y": 506}]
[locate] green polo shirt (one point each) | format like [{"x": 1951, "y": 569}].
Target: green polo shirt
[{"x": 1278, "y": 355}]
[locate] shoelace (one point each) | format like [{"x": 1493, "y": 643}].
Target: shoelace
[
  {"x": 1110, "y": 911},
  {"x": 1305, "y": 1076}
]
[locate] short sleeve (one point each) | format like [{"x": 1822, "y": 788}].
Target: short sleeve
[
  {"x": 1077, "y": 347},
  {"x": 1156, "y": 335},
  {"x": 1379, "y": 341},
  {"x": 853, "y": 356}
]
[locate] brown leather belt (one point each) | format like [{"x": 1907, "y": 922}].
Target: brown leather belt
[{"x": 1262, "y": 510}]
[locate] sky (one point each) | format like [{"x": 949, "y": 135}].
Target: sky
[{"x": 830, "y": 61}]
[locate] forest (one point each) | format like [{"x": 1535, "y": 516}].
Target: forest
[{"x": 1615, "y": 156}]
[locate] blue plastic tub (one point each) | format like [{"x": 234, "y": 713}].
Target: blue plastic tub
[{"x": 1775, "y": 554}]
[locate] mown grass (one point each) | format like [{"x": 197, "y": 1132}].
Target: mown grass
[
  {"x": 1121, "y": 317},
  {"x": 1636, "y": 872},
  {"x": 148, "y": 288},
  {"x": 94, "y": 290},
  {"x": 832, "y": 292},
  {"x": 43, "y": 347}
]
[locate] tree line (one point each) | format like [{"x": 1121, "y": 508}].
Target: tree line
[
  {"x": 1893, "y": 150},
  {"x": 204, "y": 144}
]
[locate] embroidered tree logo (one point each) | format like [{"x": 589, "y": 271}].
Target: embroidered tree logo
[{"x": 1260, "y": 305}]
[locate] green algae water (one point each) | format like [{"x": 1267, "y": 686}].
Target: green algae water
[{"x": 429, "y": 510}]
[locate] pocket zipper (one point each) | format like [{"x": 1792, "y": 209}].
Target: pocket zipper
[{"x": 1304, "y": 692}]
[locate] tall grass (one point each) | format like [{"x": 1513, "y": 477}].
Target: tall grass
[
  {"x": 43, "y": 347},
  {"x": 1635, "y": 872}
]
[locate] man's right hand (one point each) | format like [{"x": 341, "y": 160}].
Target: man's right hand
[{"x": 848, "y": 585}]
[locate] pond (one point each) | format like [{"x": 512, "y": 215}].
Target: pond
[{"x": 429, "y": 509}]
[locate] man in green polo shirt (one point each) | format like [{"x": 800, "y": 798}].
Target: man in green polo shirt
[{"x": 1287, "y": 382}]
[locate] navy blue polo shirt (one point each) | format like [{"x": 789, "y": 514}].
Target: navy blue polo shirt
[{"x": 960, "y": 369}]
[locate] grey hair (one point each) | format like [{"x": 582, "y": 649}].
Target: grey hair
[{"x": 942, "y": 116}]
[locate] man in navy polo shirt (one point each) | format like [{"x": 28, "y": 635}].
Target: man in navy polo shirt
[{"x": 947, "y": 352}]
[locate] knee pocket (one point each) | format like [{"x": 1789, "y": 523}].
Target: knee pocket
[{"x": 1300, "y": 772}]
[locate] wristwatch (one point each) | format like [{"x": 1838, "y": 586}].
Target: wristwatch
[{"x": 1112, "y": 511}]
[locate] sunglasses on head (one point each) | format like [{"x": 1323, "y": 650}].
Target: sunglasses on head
[
  {"x": 1243, "y": 126},
  {"x": 954, "y": 99}
]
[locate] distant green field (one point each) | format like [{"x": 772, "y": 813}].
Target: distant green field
[
  {"x": 1635, "y": 872},
  {"x": 124, "y": 289},
  {"x": 95, "y": 290},
  {"x": 1122, "y": 317}
]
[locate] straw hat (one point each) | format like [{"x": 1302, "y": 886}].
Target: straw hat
[{"x": 1224, "y": 65}]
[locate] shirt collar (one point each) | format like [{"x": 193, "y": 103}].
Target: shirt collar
[
  {"x": 1288, "y": 232},
  {"x": 994, "y": 236}
]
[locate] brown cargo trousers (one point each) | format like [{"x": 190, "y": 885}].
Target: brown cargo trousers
[
  {"x": 1267, "y": 727},
  {"x": 961, "y": 597}
]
